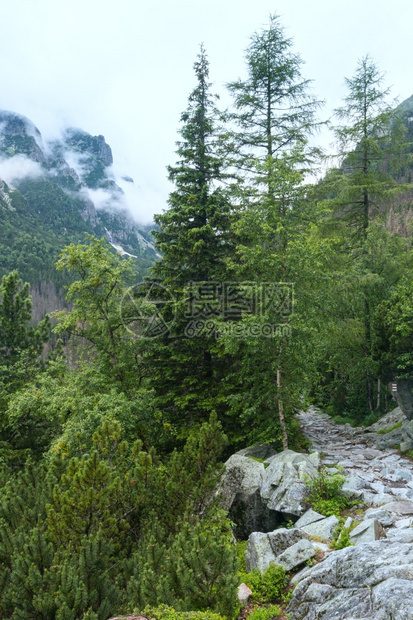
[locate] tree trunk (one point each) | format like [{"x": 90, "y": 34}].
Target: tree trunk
[
  {"x": 369, "y": 391},
  {"x": 281, "y": 412},
  {"x": 378, "y": 393}
]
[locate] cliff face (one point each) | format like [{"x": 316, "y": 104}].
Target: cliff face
[{"x": 53, "y": 193}]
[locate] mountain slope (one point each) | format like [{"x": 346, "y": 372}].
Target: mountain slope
[{"x": 51, "y": 200}]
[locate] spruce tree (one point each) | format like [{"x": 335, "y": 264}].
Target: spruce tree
[
  {"x": 194, "y": 239},
  {"x": 371, "y": 139}
]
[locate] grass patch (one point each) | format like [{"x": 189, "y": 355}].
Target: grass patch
[
  {"x": 265, "y": 613},
  {"x": 341, "y": 538},
  {"x": 163, "y": 612},
  {"x": 384, "y": 431}
]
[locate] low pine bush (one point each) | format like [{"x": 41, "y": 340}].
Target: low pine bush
[
  {"x": 325, "y": 493},
  {"x": 269, "y": 586},
  {"x": 265, "y": 613}
]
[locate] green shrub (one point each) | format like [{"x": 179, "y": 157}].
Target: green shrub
[
  {"x": 163, "y": 612},
  {"x": 265, "y": 613},
  {"x": 341, "y": 538},
  {"x": 268, "y": 586},
  {"x": 241, "y": 550},
  {"x": 325, "y": 493}
]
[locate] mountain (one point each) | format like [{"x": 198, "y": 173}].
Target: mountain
[{"x": 50, "y": 195}]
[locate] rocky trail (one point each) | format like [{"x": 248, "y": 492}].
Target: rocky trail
[
  {"x": 374, "y": 578},
  {"x": 266, "y": 495},
  {"x": 379, "y": 476}
]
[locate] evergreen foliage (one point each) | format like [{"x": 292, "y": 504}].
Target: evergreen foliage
[
  {"x": 195, "y": 240},
  {"x": 325, "y": 493},
  {"x": 371, "y": 141},
  {"x": 112, "y": 437},
  {"x": 274, "y": 110}
]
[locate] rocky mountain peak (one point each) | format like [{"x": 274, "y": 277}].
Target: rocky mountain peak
[
  {"x": 18, "y": 135},
  {"x": 79, "y": 140}
]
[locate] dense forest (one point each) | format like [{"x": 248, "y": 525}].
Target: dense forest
[{"x": 272, "y": 291}]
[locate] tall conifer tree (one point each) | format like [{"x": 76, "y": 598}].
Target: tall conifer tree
[
  {"x": 274, "y": 115},
  {"x": 274, "y": 109},
  {"x": 194, "y": 239},
  {"x": 371, "y": 139}
]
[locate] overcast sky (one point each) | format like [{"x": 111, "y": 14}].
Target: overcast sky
[{"x": 124, "y": 69}]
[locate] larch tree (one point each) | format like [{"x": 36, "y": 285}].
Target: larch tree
[
  {"x": 371, "y": 140},
  {"x": 273, "y": 118}
]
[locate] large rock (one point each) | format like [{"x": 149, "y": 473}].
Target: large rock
[
  {"x": 370, "y": 581},
  {"x": 260, "y": 496},
  {"x": 383, "y": 516},
  {"x": 262, "y": 548},
  {"x": 283, "y": 538},
  {"x": 243, "y": 478},
  {"x": 405, "y": 396},
  {"x": 386, "y": 422},
  {"x": 311, "y": 516},
  {"x": 240, "y": 495},
  {"x": 259, "y": 553},
  {"x": 404, "y": 535},
  {"x": 323, "y": 529},
  {"x": 296, "y": 555},
  {"x": 404, "y": 507},
  {"x": 367, "y": 531},
  {"x": 283, "y": 486}
]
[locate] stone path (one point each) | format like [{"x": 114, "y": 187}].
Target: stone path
[
  {"x": 376, "y": 476},
  {"x": 374, "y": 578}
]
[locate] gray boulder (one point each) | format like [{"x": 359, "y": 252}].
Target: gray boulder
[
  {"x": 323, "y": 529},
  {"x": 383, "y": 516},
  {"x": 262, "y": 548},
  {"x": 370, "y": 581},
  {"x": 240, "y": 495},
  {"x": 295, "y": 555},
  {"x": 368, "y": 531},
  {"x": 387, "y": 421},
  {"x": 311, "y": 516},
  {"x": 403, "y": 507},
  {"x": 283, "y": 487},
  {"x": 243, "y": 478},
  {"x": 259, "y": 553},
  {"x": 404, "y": 535},
  {"x": 283, "y": 538},
  {"x": 405, "y": 396},
  {"x": 354, "y": 483}
]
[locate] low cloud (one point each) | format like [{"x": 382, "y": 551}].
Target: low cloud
[
  {"x": 18, "y": 167},
  {"x": 139, "y": 197},
  {"x": 101, "y": 198}
]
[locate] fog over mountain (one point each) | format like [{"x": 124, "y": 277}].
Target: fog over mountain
[
  {"x": 54, "y": 191},
  {"x": 125, "y": 70}
]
